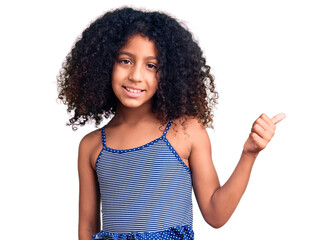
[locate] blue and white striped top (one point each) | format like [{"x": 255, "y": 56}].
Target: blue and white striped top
[{"x": 146, "y": 192}]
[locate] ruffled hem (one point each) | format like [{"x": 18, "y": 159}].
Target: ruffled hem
[{"x": 172, "y": 233}]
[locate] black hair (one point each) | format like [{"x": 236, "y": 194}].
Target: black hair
[{"x": 185, "y": 85}]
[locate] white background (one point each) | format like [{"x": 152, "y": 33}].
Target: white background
[{"x": 267, "y": 56}]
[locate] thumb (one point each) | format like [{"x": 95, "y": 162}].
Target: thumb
[{"x": 279, "y": 117}]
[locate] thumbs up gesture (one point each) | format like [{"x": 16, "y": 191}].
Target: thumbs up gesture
[{"x": 263, "y": 129}]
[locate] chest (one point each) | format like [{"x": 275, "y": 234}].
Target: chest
[{"x": 122, "y": 139}]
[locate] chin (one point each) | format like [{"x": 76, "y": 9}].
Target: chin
[{"x": 131, "y": 104}]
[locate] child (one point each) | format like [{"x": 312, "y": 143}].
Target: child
[{"x": 145, "y": 72}]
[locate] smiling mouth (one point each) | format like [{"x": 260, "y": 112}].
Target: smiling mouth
[{"x": 132, "y": 90}]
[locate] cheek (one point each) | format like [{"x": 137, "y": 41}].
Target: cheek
[
  {"x": 154, "y": 85},
  {"x": 114, "y": 83},
  {"x": 115, "y": 77},
  {"x": 155, "y": 81}
]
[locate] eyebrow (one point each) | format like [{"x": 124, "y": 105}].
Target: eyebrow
[{"x": 132, "y": 55}]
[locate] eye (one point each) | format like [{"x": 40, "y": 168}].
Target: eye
[
  {"x": 124, "y": 61},
  {"x": 152, "y": 66}
]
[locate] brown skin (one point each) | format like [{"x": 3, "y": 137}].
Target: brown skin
[
  {"x": 89, "y": 205},
  {"x": 217, "y": 203},
  {"x": 190, "y": 140}
]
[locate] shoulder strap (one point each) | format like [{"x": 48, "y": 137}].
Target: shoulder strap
[
  {"x": 167, "y": 128},
  {"x": 103, "y": 134}
]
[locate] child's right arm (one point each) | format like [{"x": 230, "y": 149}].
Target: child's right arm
[{"x": 89, "y": 201}]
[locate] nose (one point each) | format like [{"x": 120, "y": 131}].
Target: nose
[{"x": 136, "y": 73}]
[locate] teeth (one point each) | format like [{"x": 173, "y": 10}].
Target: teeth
[{"x": 133, "y": 90}]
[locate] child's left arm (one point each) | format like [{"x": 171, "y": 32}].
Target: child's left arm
[{"x": 217, "y": 203}]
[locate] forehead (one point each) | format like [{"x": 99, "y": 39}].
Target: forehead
[{"x": 140, "y": 45}]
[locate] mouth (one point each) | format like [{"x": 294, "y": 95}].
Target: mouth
[{"x": 133, "y": 90}]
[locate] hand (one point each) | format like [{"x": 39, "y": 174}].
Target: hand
[{"x": 263, "y": 129}]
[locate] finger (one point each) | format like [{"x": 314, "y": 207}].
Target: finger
[
  {"x": 258, "y": 141},
  {"x": 261, "y": 132},
  {"x": 264, "y": 124},
  {"x": 279, "y": 117},
  {"x": 268, "y": 121}
]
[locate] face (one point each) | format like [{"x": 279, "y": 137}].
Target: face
[{"x": 134, "y": 76}]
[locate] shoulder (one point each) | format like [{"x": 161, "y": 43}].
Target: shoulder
[
  {"x": 90, "y": 147},
  {"x": 189, "y": 138},
  {"x": 191, "y": 126},
  {"x": 91, "y": 139},
  {"x": 189, "y": 129}
]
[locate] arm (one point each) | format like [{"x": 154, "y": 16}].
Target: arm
[
  {"x": 217, "y": 203},
  {"x": 89, "y": 201}
]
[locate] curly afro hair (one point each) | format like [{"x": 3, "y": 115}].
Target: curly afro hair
[{"x": 185, "y": 85}]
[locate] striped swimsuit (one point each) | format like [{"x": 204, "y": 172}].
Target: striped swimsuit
[{"x": 146, "y": 192}]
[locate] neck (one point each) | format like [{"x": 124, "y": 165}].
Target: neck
[{"x": 132, "y": 116}]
